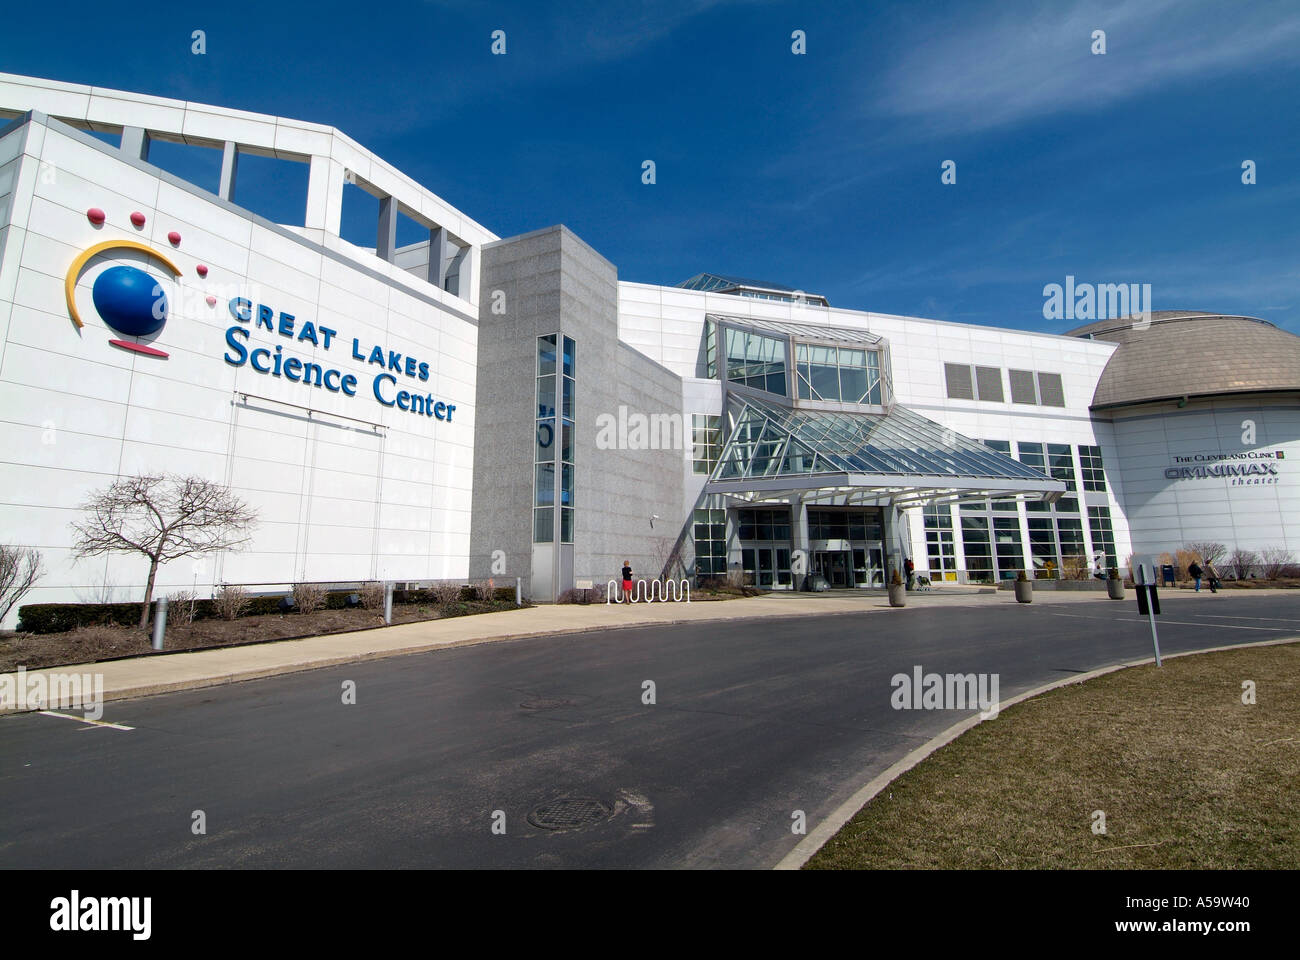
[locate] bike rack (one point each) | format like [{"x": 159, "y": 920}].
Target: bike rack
[{"x": 663, "y": 591}]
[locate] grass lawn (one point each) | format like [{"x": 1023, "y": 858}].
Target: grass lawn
[{"x": 1187, "y": 775}]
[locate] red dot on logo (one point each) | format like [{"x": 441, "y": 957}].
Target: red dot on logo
[
  {"x": 137, "y": 218},
  {"x": 95, "y": 215},
  {"x": 201, "y": 270},
  {"x": 212, "y": 301},
  {"x": 174, "y": 238}
]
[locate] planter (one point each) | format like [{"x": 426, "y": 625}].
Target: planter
[
  {"x": 897, "y": 595},
  {"x": 1115, "y": 589},
  {"x": 1024, "y": 591}
]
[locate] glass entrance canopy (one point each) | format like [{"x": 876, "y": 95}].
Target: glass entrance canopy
[{"x": 897, "y": 456}]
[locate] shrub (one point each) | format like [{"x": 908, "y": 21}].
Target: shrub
[
  {"x": 308, "y": 597},
  {"x": 181, "y": 607},
  {"x": 1182, "y": 560},
  {"x": 372, "y": 596},
  {"x": 1274, "y": 560},
  {"x": 581, "y": 595},
  {"x": 231, "y": 601},
  {"x": 97, "y": 641},
  {"x": 1207, "y": 551},
  {"x": 1241, "y": 561},
  {"x": 484, "y": 592},
  {"x": 445, "y": 594},
  {"x": 1074, "y": 568},
  {"x": 60, "y": 617}
]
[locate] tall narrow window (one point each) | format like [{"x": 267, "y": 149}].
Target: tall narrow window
[
  {"x": 547, "y": 442},
  {"x": 567, "y": 394}
]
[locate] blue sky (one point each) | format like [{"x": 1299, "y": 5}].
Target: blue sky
[{"x": 820, "y": 171}]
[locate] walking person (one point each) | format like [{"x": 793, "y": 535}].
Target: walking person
[
  {"x": 1212, "y": 576},
  {"x": 627, "y": 582},
  {"x": 1194, "y": 569},
  {"x": 910, "y": 569}
]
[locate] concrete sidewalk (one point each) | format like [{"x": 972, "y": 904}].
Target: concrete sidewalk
[{"x": 148, "y": 675}]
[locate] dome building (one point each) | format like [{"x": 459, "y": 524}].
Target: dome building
[{"x": 1205, "y": 418}]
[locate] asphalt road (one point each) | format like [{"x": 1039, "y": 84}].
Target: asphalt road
[{"x": 752, "y": 720}]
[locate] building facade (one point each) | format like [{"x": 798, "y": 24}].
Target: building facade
[{"x": 466, "y": 406}]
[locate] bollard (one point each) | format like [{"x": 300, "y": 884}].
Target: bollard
[
  {"x": 159, "y": 623},
  {"x": 519, "y": 591},
  {"x": 388, "y": 603}
]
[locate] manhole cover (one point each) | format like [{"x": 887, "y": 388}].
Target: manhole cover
[
  {"x": 545, "y": 703},
  {"x": 568, "y": 813}
]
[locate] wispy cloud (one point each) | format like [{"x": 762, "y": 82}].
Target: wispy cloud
[{"x": 986, "y": 71}]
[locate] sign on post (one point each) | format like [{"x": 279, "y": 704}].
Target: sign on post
[{"x": 1144, "y": 579}]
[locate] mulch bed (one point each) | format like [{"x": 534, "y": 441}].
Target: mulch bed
[{"x": 88, "y": 644}]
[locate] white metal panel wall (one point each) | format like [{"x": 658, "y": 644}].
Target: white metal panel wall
[{"x": 76, "y": 412}]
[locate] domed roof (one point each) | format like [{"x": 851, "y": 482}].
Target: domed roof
[{"x": 1190, "y": 353}]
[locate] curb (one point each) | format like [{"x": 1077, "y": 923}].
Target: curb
[{"x": 803, "y": 851}]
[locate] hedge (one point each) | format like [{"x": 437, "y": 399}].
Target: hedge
[{"x": 60, "y": 617}]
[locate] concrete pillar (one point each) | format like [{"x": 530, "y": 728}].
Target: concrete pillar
[
  {"x": 135, "y": 142},
  {"x": 229, "y": 168},
  {"x": 468, "y": 289},
  {"x": 325, "y": 182},
  {"x": 386, "y": 244},
  {"x": 437, "y": 268},
  {"x": 799, "y": 536}
]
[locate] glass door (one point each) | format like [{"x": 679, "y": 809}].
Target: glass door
[{"x": 876, "y": 566}]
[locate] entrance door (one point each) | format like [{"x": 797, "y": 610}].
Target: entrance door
[
  {"x": 869, "y": 567},
  {"x": 836, "y": 566},
  {"x": 766, "y": 567}
]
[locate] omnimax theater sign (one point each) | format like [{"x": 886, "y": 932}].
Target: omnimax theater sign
[{"x": 1253, "y": 467}]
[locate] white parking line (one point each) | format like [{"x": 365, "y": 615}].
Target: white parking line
[
  {"x": 1228, "y": 616},
  {"x": 96, "y": 723},
  {"x": 1162, "y": 620}
]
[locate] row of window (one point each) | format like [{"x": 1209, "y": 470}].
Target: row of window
[
  {"x": 972, "y": 382},
  {"x": 993, "y": 549}
]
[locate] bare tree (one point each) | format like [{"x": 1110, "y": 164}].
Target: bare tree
[
  {"x": 20, "y": 568},
  {"x": 1209, "y": 552},
  {"x": 163, "y": 517},
  {"x": 1241, "y": 560},
  {"x": 668, "y": 556}
]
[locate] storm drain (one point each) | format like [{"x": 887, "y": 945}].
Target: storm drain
[
  {"x": 545, "y": 703},
  {"x": 568, "y": 813}
]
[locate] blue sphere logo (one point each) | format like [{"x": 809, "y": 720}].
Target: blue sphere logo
[{"x": 130, "y": 301}]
